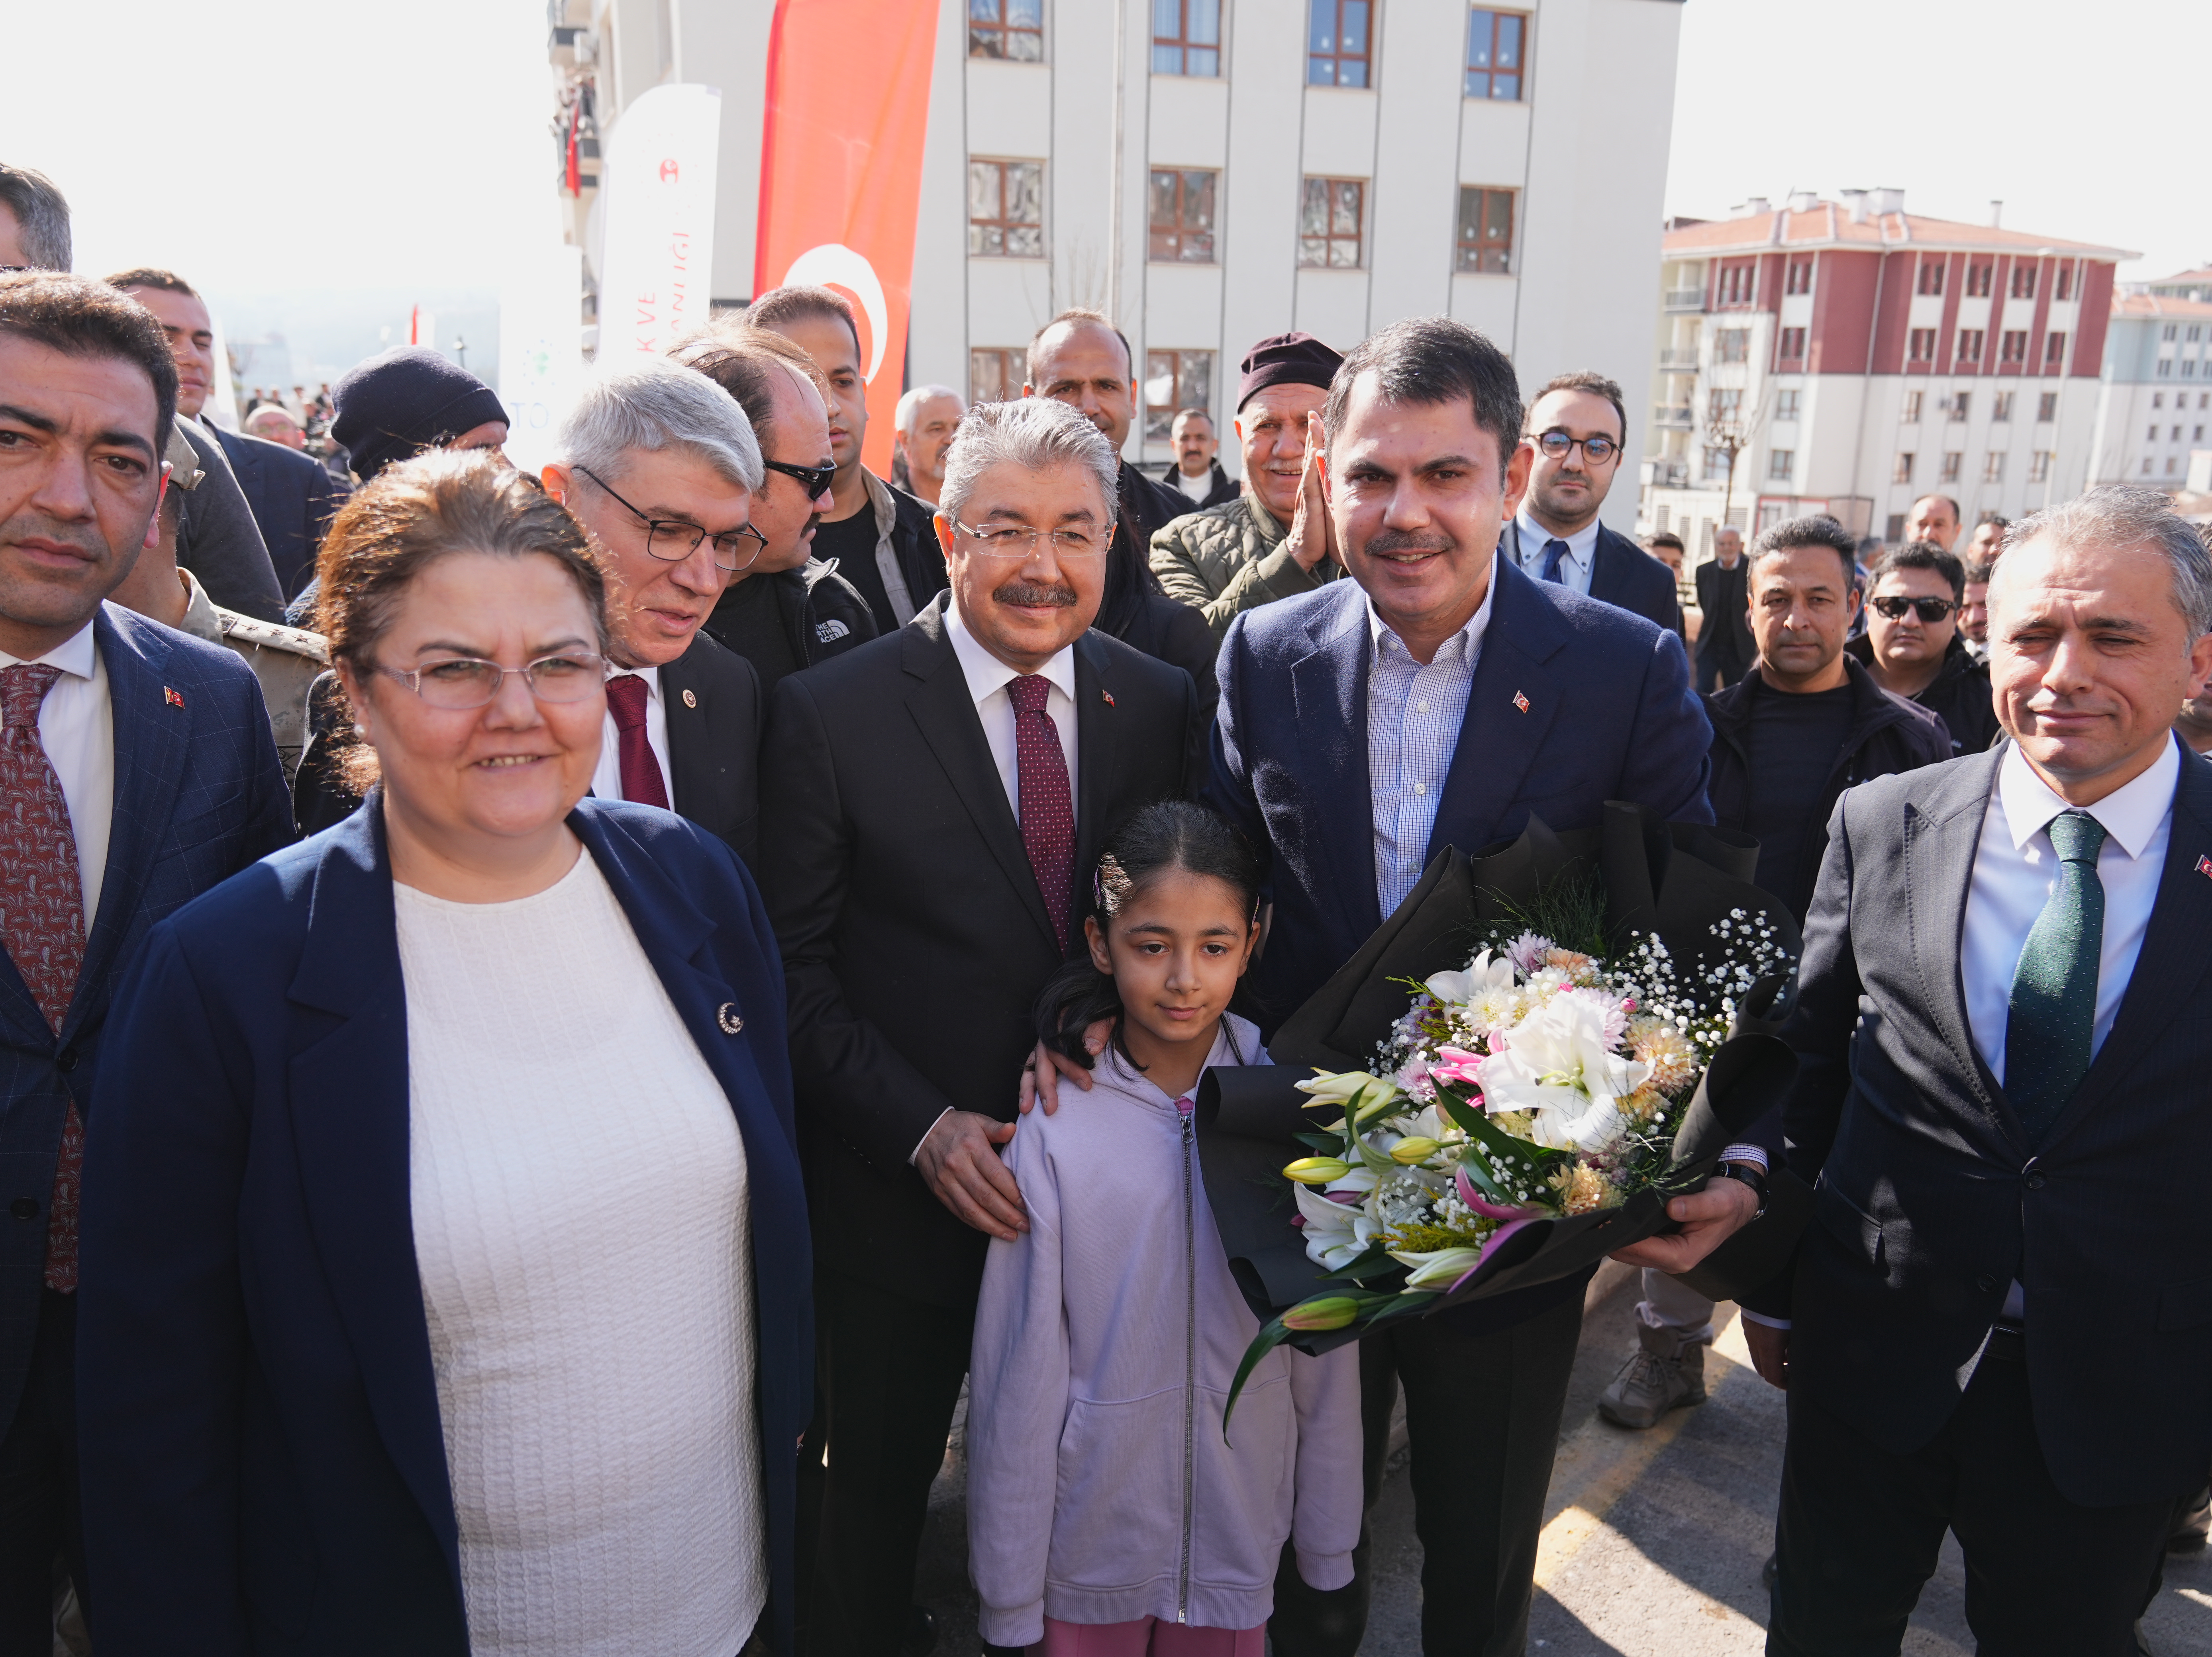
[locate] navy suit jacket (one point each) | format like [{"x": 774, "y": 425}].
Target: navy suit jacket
[
  {"x": 264, "y": 1466},
  {"x": 1622, "y": 574},
  {"x": 1610, "y": 715},
  {"x": 293, "y": 500},
  {"x": 198, "y": 796}
]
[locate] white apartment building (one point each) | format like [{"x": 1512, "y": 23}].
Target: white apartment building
[
  {"x": 1212, "y": 172},
  {"x": 1848, "y": 357},
  {"x": 2154, "y": 404}
]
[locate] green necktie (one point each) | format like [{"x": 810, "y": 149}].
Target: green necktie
[{"x": 2049, "y": 1031}]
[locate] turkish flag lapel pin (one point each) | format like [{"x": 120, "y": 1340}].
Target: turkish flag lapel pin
[
  {"x": 1520, "y": 702},
  {"x": 172, "y": 697}
]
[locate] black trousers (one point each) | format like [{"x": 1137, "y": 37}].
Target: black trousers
[
  {"x": 887, "y": 1377},
  {"x": 1482, "y": 1414},
  {"x": 1860, "y": 1527},
  {"x": 39, "y": 1518}
]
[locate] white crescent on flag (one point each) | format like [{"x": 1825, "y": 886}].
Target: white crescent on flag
[{"x": 833, "y": 263}]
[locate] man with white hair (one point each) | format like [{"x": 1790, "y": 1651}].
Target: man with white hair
[
  {"x": 922, "y": 432},
  {"x": 659, "y": 464},
  {"x": 936, "y": 800}
]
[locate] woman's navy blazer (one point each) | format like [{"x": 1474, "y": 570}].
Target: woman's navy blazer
[{"x": 264, "y": 1466}]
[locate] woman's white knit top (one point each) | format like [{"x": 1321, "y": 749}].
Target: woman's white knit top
[{"x": 579, "y": 1191}]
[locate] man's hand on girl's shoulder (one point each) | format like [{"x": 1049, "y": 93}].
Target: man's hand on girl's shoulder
[{"x": 1041, "y": 1075}]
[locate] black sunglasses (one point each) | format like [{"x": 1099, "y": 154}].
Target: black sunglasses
[
  {"x": 814, "y": 479},
  {"x": 1930, "y": 611}
]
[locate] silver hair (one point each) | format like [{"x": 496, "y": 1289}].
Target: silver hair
[
  {"x": 655, "y": 404},
  {"x": 2127, "y": 517},
  {"x": 903, "y": 420},
  {"x": 1031, "y": 433},
  {"x": 42, "y": 212}
]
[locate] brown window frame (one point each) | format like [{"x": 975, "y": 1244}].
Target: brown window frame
[
  {"x": 1970, "y": 342},
  {"x": 1731, "y": 345},
  {"x": 1800, "y": 277},
  {"x": 1335, "y": 58},
  {"x": 1331, "y": 239},
  {"x": 1179, "y": 241},
  {"x": 1177, "y": 53},
  {"x": 1979, "y": 278},
  {"x": 2023, "y": 282},
  {"x": 1002, "y": 224},
  {"x": 1482, "y": 80},
  {"x": 1182, "y": 393},
  {"x": 1918, "y": 337},
  {"x": 2008, "y": 341},
  {"x": 1012, "y": 365},
  {"x": 1010, "y": 36},
  {"x": 2054, "y": 349},
  {"x": 1483, "y": 256},
  {"x": 1792, "y": 337},
  {"x": 1931, "y": 276}
]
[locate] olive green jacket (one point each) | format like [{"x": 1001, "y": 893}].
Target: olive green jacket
[{"x": 1230, "y": 558}]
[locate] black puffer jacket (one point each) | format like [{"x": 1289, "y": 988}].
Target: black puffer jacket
[{"x": 1959, "y": 696}]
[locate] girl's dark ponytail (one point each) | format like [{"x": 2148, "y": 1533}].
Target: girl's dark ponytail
[{"x": 1173, "y": 835}]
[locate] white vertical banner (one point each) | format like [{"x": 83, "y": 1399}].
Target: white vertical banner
[
  {"x": 657, "y": 189},
  {"x": 541, "y": 349}
]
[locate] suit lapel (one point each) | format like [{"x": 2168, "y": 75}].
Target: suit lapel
[
  {"x": 945, "y": 713},
  {"x": 1605, "y": 566},
  {"x": 153, "y": 734},
  {"x": 1329, "y": 688},
  {"x": 1097, "y": 784},
  {"x": 1940, "y": 839},
  {"x": 2171, "y": 965},
  {"x": 1499, "y": 738},
  {"x": 691, "y": 775}
]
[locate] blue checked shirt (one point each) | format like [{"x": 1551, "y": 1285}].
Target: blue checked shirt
[{"x": 1414, "y": 716}]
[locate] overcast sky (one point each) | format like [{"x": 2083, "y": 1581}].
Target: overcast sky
[{"x": 281, "y": 144}]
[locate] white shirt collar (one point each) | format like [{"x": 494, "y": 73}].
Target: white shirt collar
[
  {"x": 77, "y": 654},
  {"x": 2130, "y": 815},
  {"x": 1581, "y": 545},
  {"x": 1477, "y": 624},
  {"x": 987, "y": 673},
  {"x": 650, "y": 675}
]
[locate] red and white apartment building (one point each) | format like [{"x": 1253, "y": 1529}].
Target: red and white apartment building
[{"x": 1848, "y": 357}]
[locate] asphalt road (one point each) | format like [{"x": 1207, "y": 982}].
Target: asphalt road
[{"x": 1653, "y": 1542}]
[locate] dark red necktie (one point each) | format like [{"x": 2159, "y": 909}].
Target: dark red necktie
[
  {"x": 42, "y": 915},
  {"x": 640, "y": 771},
  {"x": 1048, "y": 812}
]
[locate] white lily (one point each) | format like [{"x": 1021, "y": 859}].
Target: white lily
[
  {"x": 1559, "y": 1070},
  {"x": 1483, "y": 976},
  {"x": 1335, "y": 1235},
  {"x": 1342, "y": 1086},
  {"x": 1438, "y": 1269}
]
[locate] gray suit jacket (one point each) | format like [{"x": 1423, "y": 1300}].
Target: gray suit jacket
[{"x": 1931, "y": 1196}]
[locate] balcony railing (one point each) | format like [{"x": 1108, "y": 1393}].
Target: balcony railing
[
  {"x": 1683, "y": 417},
  {"x": 1684, "y": 359},
  {"x": 1686, "y": 299}
]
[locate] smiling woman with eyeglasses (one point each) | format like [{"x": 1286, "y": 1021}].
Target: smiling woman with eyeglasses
[{"x": 448, "y": 1288}]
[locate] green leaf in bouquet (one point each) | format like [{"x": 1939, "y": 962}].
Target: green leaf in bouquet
[
  {"x": 1499, "y": 1146},
  {"x": 1373, "y": 1264},
  {"x": 1328, "y": 1144},
  {"x": 1321, "y": 1312},
  {"x": 1457, "y": 1107}
]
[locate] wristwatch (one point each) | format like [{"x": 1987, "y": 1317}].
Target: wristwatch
[{"x": 1754, "y": 1177}]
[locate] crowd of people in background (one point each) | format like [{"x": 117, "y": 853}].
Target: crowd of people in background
[{"x": 528, "y": 997}]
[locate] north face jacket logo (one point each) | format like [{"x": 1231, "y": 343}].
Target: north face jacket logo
[{"x": 830, "y": 631}]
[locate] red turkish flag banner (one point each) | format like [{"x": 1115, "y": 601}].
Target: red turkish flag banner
[{"x": 841, "y": 172}]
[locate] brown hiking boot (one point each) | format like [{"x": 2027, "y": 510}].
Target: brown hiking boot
[{"x": 1668, "y": 1373}]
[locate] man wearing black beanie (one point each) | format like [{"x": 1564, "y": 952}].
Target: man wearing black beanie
[{"x": 408, "y": 399}]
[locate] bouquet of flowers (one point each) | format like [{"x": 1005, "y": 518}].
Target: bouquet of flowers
[{"x": 1531, "y": 1107}]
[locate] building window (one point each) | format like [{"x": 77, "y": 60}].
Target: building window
[
  {"x": 2158, "y": 400},
  {"x": 1173, "y": 380},
  {"x": 1732, "y": 345},
  {"x": 2039, "y": 464},
  {"x": 1953, "y": 460},
  {"x": 2014, "y": 345},
  {"x": 1486, "y": 230},
  {"x": 2047, "y": 408},
  {"x": 1187, "y": 36},
  {"x": 2189, "y": 369},
  {"x": 1910, "y": 414},
  {"x": 1959, "y": 405},
  {"x": 1793, "y": 345},
  {"x": 2177, "y": 434},
  {"x": 1922, "y": 348},
  {"x": 2023, "y": 282},
  {"x": 1337, "y": 43},
  {"x": 1993, "y": 467},
  {"x": 1896, "y": 526},
  {"x": 2066, "y": 283},
  {"x": 2001, "y": 406},
  {"x": 2054, "y": 349},
  {"x": 1931, "y": 276},
  {"x": 2165, "y": 367},
  {"x": 1006, "y": 28},
  {"x": 1902, "y": 472},
  {"x": 1780, "y": 462},
  {"x": 1737, "y": 280},
  {"x": 1183, "y": 216},
  {"x": 1005, "y": 210},
  {"x": 1978, "y": 280},
  {"x": 2169, "y": 331},
  {"x": 1800, "y": 279},
  {"x": 1497, "y": 54},
  {"x": 1723, "y": 406},
  {"x": 2151, "y": 436},
  {"x": 1718, "y": 463},
  {"x": 1330, "y": 221},
  {"x": 2197, "y": 435},
  {"x": 995, "y": 373},
  {"x": 1970, "y": 345},
  {"x": 1786, "y": 404},
  {"x": 2203, "y": 400},
  {"x": 2196, "y": 331},
  {"x": 2146, "y": 471},
  {"x": 2171, "y": 465}
]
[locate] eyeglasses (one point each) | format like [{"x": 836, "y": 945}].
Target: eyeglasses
[
  {"x": 467, "y": 682},
  {"x": 672, "y": 540},
  {"x": 1930, "y": 611},
  {"x": 1596, "y": 451},
  {"x": 812, "y": 479},
  {"x": 1019, "y": 541}
]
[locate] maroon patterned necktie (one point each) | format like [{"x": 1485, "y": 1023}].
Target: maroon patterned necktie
[
  {"x": 641, "y": 781},
  {"x": 42, "y": 914},
  {"x": 1047, "y": 812}
]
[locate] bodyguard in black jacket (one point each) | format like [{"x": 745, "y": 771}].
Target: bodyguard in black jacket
[{"x": 791, "y": 619}]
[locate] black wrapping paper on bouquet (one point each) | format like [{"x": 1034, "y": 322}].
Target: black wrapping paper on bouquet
[{"x": 1675, "y": 880}]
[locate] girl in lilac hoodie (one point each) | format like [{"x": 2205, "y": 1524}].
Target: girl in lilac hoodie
[{"x": 1107, "y": 1516}]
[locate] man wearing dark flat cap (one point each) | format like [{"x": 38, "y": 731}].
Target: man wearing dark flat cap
[{"x": 1274, "y": 541}]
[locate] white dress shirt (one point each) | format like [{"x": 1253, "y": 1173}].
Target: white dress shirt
[
  {"x": 606, "y": 780},
  {"x": 988, "y": 679},
  {"x": 1414, "y": 712},
  {"x": 76, "y": 728},
  {"x": 1575, "y": 569}
]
